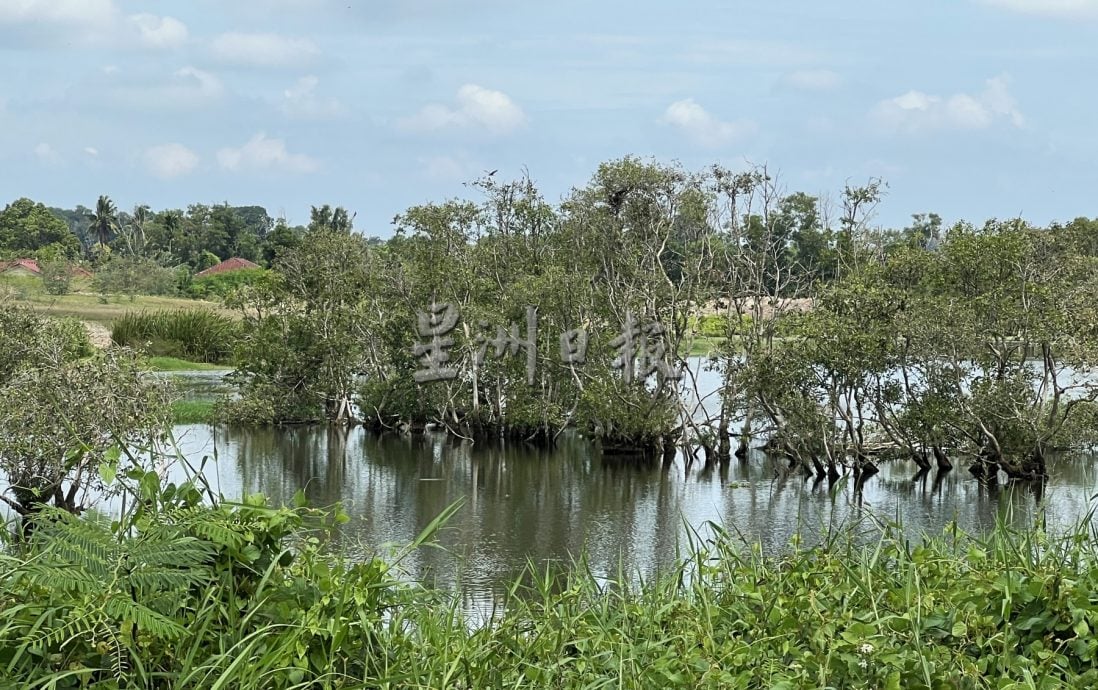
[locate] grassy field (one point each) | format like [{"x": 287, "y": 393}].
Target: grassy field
[{"x": 86, "y": 305}]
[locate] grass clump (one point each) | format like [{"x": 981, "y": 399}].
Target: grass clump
[
  {"x": 177, "y": 364},
  {"x": 193, "y": 412},
  {"x": 191, "y": 334}
]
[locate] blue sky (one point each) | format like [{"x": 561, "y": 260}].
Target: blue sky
[{"x": 968, "y": 108}]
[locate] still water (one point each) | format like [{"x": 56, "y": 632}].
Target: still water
[{"x": 523, "y": 504}]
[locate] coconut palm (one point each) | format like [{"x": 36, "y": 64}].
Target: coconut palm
[{"x": 104, "y": 221}]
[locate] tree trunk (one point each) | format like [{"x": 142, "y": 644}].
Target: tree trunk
[
  {"x": 919, "y": 456},
  {"x": 745, "y": 437},
  {"x": 944, "y": 465}
]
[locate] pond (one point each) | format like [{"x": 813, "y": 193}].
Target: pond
[{"x": 522, "y": 504}]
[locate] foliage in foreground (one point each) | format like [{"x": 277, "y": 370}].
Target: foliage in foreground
[{"x": 182, "y": 594}]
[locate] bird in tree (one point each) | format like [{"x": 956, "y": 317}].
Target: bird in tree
[{"x": 104, "y": 221}]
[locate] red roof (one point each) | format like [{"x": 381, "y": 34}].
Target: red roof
[
  {"x": 29, "y": 264},
  {"x": 233, "y": 264},
  {"x": 32, "y": 266}
]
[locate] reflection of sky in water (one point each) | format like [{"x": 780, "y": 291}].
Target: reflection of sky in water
[{"x": 524, "y": 504}]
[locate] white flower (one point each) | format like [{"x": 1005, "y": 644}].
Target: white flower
[{"x": 865, "y": 648}]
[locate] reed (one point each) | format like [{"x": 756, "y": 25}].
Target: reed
[{"x": 194, "y": 334}]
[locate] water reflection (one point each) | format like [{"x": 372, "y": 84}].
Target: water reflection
[{"x": 523, "y": 504}]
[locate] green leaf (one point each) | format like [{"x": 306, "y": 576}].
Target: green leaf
[
  {"x": 108, "y": 471},
  {"x": 299, "y": 499}
]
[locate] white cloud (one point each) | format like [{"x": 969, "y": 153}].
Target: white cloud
[
  {"x": 91, "y": 151},
  {"x": 474, "y": 106},
  {"x": 446, "y": 168},
  {"x": 137, "y": 88},
  {"x": 170, "y": 160},
  {"x": 917, "y": 111},
  {"x": 159, "y": 32},
  {"x": 263, "y": 153},
  {"x": 263, "y": 50},
  {"x": 190, "y": 84},
  {"x": 301, "y": 101},
  {"x": 82, "y": 12},
  {"x": 47, "y": 153},
  {"x": 812, "y": 80},
  {"x": 701, "y": 126},
  {"x": 1061, "y": 9}
]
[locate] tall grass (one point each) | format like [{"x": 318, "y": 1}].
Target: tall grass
[
  {"x": 194, "y": 334},
  {"x": 252, "y": 602}
]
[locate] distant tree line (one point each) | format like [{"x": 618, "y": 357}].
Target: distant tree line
[{"x": 197, "y": 237}]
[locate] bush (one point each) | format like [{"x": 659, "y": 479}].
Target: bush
[
  {"x": 221, "y": 285},
  {"x": 56, "y": 277},
  {"x": 131, "y": 276},
  {"x": 28, "y": 339},
  {"x": 193, "y": 334}
]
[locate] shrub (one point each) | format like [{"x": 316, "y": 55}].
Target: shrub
[
  {"x": 28, "y": 339},
  {"x": 56, "y": 277},
  {"x": 130, "y": 276},
  {"x": 221, "y": 285}
]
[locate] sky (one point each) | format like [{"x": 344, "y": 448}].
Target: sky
[{"x": 972, "y": 109}]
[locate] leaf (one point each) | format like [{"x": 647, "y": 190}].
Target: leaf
[
  {"x": 299, "y": 499},
  {"x": 108, "y": 472}
]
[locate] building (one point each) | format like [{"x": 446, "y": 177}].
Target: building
[
  {"x": 30, "y": 267},
  {"x": 233, "y": 264}
]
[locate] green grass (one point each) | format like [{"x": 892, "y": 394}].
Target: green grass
[
  {"x": 193, "y": 411},
  {"x": 176, "y": 364},
  {"x": 703, "y": 345},
  {"x": 84, "y": 304},
  {"x": 190, "y": 334}
]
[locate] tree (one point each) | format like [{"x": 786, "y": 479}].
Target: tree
[
  {"x": 305, "y": 339},
  {"x": 56, "y": 276},
  {"x": 62, "y": 412},
  {"x": 132, "y": 230},
  {"x": 327, "y": 218},
  {"x": 280, "y": 240},
  {"x": 133, "y": 276},
  {"x": 27, "y": 228},
  {"x": 104, "y": 221}
]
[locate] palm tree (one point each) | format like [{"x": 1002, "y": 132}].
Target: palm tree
[
  {"x": 134, "y": 231},
  {"x": 105, "y": 219}
]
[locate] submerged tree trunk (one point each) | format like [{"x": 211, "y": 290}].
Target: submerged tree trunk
[
  {"x": 944, "y": 465},
  {"x": 1032, "y": 467},
  {"x": 921, "y": 460},
  {"x": 745, "y": 437}
]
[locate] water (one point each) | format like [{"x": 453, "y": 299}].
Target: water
[{"x": 523, "y": 505}]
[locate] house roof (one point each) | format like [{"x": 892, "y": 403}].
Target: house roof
[
  {"x": 32, "y": 266},
  {"x": 234, "y": 264},
  {"x": 29, "y": 264}
]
